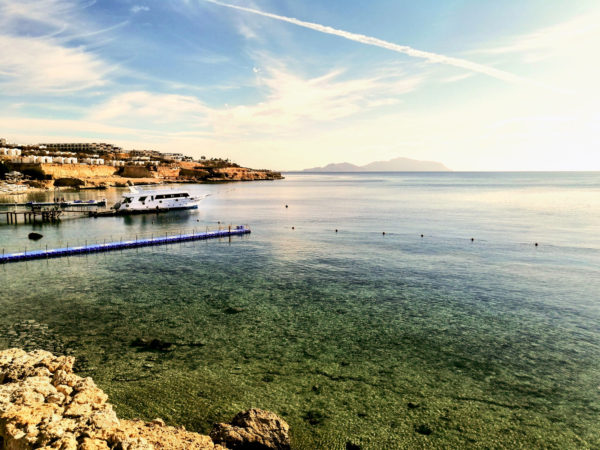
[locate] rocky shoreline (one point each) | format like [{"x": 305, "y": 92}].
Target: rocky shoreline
[
  {"x": 44, "y": 405},
  {"x": 53, "y": 176}
]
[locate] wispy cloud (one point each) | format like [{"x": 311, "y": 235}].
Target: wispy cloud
[
  {"x": 570, "y": 35},
  {"x": 456, "y": 78},
  {"x": 290, "y": 103},
  {"x": 44, "y": 66},
  {"x": 44, "y": 59},
  {"x": 368, "y": 40},
  {"x": 139, "y": 8},
  {"x": 151, "y": 108}
]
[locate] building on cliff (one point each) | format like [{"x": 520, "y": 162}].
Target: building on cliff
[
  {"x": 84, "y": 147},
  {"x": 10, "y": 151}
]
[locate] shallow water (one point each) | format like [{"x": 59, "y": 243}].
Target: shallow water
[{"x": 387, "y": 341}]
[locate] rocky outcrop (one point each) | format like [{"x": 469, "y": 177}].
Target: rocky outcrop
[
  {"x": 44, "y": 405},
  {"x": 253, "y": 429},
  {"x": 245, "y": 174}
]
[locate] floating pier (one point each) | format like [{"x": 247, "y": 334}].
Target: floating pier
[{"x": 111, "y": 246}]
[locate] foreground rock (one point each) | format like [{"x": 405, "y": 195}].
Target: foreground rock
[
  {"x": 253, "y": 429},
  {"x": 43, "y": 404}
]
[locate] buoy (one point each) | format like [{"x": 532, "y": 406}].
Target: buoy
[
  {"x": 383, "y": 233},
  {"x": 472, "y": 239},
  {"x": 293, "y": 228},
  {"x": 286, "y": 206},
  {"x": 536, "y": 244},
  {"x": 336, "y": 230},
  {"x": 421, "y": 235}
]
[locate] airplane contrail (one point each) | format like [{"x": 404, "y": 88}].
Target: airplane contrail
[{"x": 429, "y": 56}]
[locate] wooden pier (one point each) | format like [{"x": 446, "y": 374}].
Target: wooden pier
[{"x": 32, "y": 216}]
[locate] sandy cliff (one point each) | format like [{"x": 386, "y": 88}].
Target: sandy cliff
[
  {"x": 44, "y": 405},
  {"x": 95, "y": 175},
  {"x": 78, "y": 170}
]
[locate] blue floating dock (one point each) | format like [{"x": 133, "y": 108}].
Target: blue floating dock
[{"x": 111, "y": 246}]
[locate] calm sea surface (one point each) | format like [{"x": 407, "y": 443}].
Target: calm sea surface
[{"x": 386, "y": 341}]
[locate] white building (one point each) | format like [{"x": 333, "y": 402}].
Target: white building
[
  {"x": 10, "y": 151},
  {"x": 174, "y": 156},
  {"x": 30, "y": 159},
  {"x": 93, "y": 161},
  {"x": 44, "y": 159},
  {"x": 64, "y": 160}
]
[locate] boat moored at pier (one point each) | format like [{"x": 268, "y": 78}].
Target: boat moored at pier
[{"x": 152, "y": 201}]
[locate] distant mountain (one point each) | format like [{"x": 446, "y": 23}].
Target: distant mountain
[{"x": 393, "y": 165}]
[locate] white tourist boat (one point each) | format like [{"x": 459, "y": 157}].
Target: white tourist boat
[{"x": 159, "y": 200}]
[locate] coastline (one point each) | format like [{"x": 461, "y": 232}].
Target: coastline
[{"x": 49, "y": 177}]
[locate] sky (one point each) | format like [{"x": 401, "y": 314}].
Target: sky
[{"x": 287, "y": 85}]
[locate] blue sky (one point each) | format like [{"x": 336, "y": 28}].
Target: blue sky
[{"x": 477, "y": 85}]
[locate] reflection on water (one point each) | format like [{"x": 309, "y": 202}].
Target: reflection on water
[{"x": 385, "y": 341}]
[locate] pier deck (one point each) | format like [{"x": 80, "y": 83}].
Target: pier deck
[{"x": 110, "y": 246}]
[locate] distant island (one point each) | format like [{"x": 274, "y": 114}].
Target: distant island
[{"x": 393, "y": 165}]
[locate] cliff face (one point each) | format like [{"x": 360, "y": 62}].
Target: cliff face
[
  {"x": 78, "y": 170},
  {"x": 138, "y": 172},
  {"x": 80, "y": 175},
  {"x": 44, "y": 405}
]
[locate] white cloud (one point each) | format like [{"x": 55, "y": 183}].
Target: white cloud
[
  {"x": 139, "y": 8},
  {"x": 151, "y": 108},
  {"x": 290, "y": 103},
  {"x": 43, "y": 12},
  {"x": 34, "y": 65},
  {"x": 44, "y": 60},
  {"x": 293, "y": 102}
]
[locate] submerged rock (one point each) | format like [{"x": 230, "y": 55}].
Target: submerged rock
[
  {"x": 423, "y": 429},
  {"x": 253, "y": 429},
  {"x": 233, "y": 310},
  {"x": 153, "y": 344},
  {"x": 44, "y": 405}
]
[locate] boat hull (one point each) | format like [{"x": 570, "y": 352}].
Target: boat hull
[{"x": 129, "y": 212}]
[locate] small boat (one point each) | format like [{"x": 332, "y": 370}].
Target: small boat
[
  {"x": 155, "y": 201},
  {"x": 84, "y": 203}
]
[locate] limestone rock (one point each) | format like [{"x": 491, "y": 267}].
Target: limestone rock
[
  {"x": 253, "y": 429},
  {"x": 44, "y": 405}
]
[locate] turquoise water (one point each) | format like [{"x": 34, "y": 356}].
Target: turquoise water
[{"x": 387, "y": 341}]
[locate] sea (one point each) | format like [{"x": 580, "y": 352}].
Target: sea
[{"x": 380, "y": 310}]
